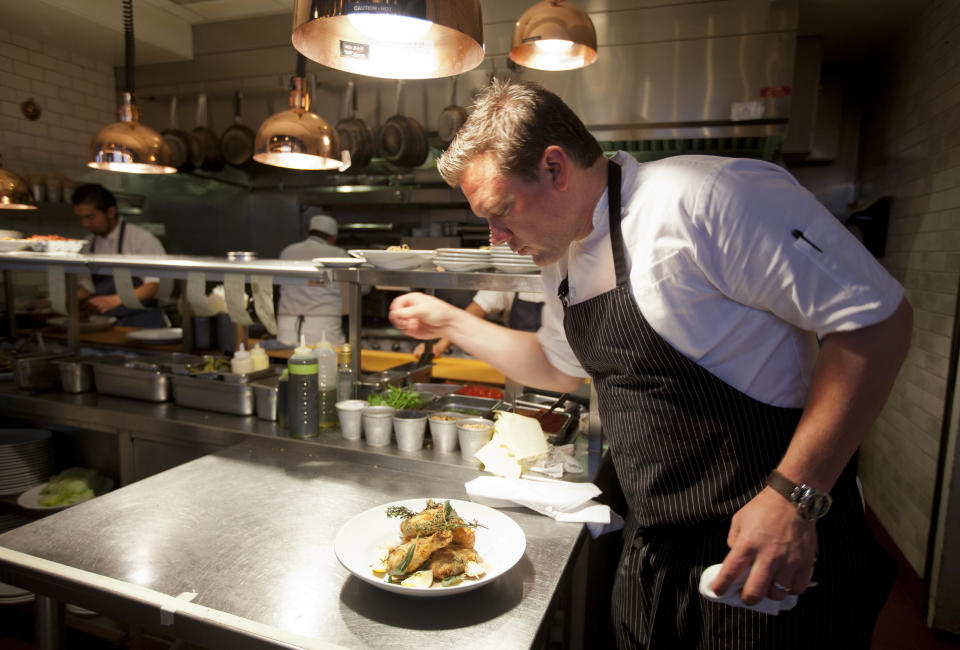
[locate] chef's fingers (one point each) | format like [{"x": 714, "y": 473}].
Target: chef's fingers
[
  {"x": 418, "y": 351},
  {"x": 736, "y": 564}
]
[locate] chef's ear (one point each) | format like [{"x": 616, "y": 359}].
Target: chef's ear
[{"x": 557, "y": 164}]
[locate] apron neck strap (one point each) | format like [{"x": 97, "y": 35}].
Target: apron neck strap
[{"x": 616, "y": 236}]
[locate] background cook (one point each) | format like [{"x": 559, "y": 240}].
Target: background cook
[
  {"x": 692, "y": 291},
  {"x": 96, "y": 207}
]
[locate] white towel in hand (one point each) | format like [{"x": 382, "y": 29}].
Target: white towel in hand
[
  {"x": 560, "y": 500},
  {"x": 732, "y": 597}
]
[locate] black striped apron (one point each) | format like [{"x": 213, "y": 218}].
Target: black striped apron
[{"x": 689, "y": 451}]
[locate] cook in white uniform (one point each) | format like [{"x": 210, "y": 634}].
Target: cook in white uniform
[
  {"x": 691, "y": 291},
  {"x": 315, "y": 309},
  {"x": 520, "y": 311}
]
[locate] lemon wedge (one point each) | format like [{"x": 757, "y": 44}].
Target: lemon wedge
[
  {"x": 379, "y": 566},
  {"x": 419, "y": 579}
]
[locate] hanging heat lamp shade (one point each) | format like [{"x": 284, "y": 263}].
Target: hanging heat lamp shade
[
  {"x": 554, "y": 35},
  {"x": 127, "y": 145},
  {"x": 298, "y": 138},
  {"x": 392, "y": 39},
  {"x": 14, "y": 192}
]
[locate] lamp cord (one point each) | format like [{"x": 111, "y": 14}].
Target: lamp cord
[
  {"x": 301, "y": 67},
  {"x": 128, "y": 40}
]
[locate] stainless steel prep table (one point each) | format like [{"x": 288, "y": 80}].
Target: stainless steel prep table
[{"x": 250, "y": 529}]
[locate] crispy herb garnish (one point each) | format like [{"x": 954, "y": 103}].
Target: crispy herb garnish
[
  {"x": 401, "y": 568},
  {"x": 400, "y": 511},
  {"x": 450, "y": 581}
]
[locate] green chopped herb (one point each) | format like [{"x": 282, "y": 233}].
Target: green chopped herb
[{"x": 450, "y": 581}]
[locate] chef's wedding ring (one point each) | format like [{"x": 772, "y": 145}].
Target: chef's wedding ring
[{"x": 777, "y": 585}]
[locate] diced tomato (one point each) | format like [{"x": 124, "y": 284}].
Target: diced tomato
[{"x": 478, "y": 390}]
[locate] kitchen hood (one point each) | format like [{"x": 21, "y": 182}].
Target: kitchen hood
[{"x": 686, "y": 71}]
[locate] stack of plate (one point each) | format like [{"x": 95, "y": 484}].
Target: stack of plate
[
  {"x": 25, "y": 459},
  {"x": 506, "y": 260},
  {"x": 9, "y": 594},
  {"x": 462, "y": 259}
]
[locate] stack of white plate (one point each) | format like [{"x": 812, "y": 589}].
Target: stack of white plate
[
  {"x": 25, "y": 459},
  {"x": 9, "y": 594},
  {"x": 462, "y": 259},
  {"x": 506, "y": 260}
]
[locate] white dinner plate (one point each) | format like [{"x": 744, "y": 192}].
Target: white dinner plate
[
  {"x": 516, "y": 268},
  {"x": 7, "y": 245},
  {"x": 337, "y": 262},
  {"x": 31, "y": 498},
  {"x": 156, "y": 335},
  {"x": 477, "y": 252},
  {"x": 394, "y": 260},
  {"x": 460, "y": 265},
  {"x": 95, "y": 323},
  {"x": 500, "y": 544}
]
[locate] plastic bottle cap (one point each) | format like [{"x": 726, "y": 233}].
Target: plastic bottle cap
[
  {"x": 241, "y": 353},
  {"x": 302, "y": 348}
]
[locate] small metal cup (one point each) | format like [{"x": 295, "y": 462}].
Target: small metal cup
[
  {"x": 378, "y": 425},
  {"x": 350, "y": 412},
  {"x": 472, "y": 434},
  {"x": 409, "y": 427},
  {"x": 443, "y": 430}
]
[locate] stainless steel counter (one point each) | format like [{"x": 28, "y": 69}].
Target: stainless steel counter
[{"x": 250, "y": 530}]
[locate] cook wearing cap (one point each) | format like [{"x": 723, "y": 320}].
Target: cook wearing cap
[{"x": 315, "y": 309}]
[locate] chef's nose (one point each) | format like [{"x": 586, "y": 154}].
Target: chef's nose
[{"x": 499, "y": 235}]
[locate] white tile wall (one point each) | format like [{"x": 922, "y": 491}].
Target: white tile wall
[
  {"x": 75, "y": 93},
  {"x": 912, "y": 152}
]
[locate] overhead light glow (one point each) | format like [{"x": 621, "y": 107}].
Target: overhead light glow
[{"x": 389, "y": 27}]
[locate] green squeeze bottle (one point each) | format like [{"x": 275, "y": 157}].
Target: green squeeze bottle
[{"x": 302, "y": 393}]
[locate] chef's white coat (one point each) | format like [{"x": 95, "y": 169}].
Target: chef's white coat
[
  {"x": 717, "y": 271},
  {"x": 319, "y": 302}
]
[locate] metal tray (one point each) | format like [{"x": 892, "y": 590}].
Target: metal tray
[
  {"x": 210, "y": 393},
  {"x": 266, "y": 393},
  {"x": 567, "y": 414},
  {"x": 466, "y": 404},
  {"x": 36, "y": 371},
  {"x": 137, "y": 379}
]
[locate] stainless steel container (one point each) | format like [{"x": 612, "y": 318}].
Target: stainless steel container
[
  {"x": 135, "y": 379},
  {"x": 466, "y": 405},
  {"x": 76, "y": 374},
  {"x": 223, "y": 392},
  {"x": 36, "y": 371},
  {"x": 265, "y": 393}
]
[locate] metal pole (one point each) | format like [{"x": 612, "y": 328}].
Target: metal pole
[
  {"x": 8, "y": 293},
  {"x": 73, "y": 313},
  {"x": 49, "y": 623}
]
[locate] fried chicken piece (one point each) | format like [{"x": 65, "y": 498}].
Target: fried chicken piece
[
  {"x": 451, "y": 561},
  {"x": 426, "y": 546},
  {"x": 430, "y": 519}
]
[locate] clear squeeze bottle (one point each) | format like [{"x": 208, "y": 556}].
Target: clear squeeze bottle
[
  {"x": 302, "y": 393},
  {"x": 346, "y": 387},
  {"x": 326, "y": 383}
]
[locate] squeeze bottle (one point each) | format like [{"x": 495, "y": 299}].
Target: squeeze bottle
[
  {"x": 241, "y": 363},
  {"x": 302, "y": 392},
  {"x": 259, "y": 357},
  {"x": 326, "y": 383}
]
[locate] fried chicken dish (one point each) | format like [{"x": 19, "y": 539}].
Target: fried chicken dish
[{"x": 438, "y": 545}]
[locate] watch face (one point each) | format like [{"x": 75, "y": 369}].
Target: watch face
[{"x": 813, "y": 505}]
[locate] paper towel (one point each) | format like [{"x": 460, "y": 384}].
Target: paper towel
[{"x": 732, "y": 597}]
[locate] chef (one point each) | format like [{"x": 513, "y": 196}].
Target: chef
[
  {"x": 741, "y": 343},
  {"x": 314, "y": 310},
  {"x": 96, "y": 207}
]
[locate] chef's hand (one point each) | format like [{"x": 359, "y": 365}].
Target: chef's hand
[
  {"x": 421, "y": 316},
  {"x": 103, "y": 304},
  {"x": 769, "y": 539}
]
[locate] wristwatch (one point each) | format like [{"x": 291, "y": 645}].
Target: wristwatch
[{"x": 811, "y": 503}]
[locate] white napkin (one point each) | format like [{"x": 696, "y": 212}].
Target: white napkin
[
  {"x": 560, "y": 500},
  {"x": 554, "y": 462},
  {"x": 263, "y": 301},
  {"x": 732, "y": 597}
]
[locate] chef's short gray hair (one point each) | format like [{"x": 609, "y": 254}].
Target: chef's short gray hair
[{"x": 516, "y": 121}]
